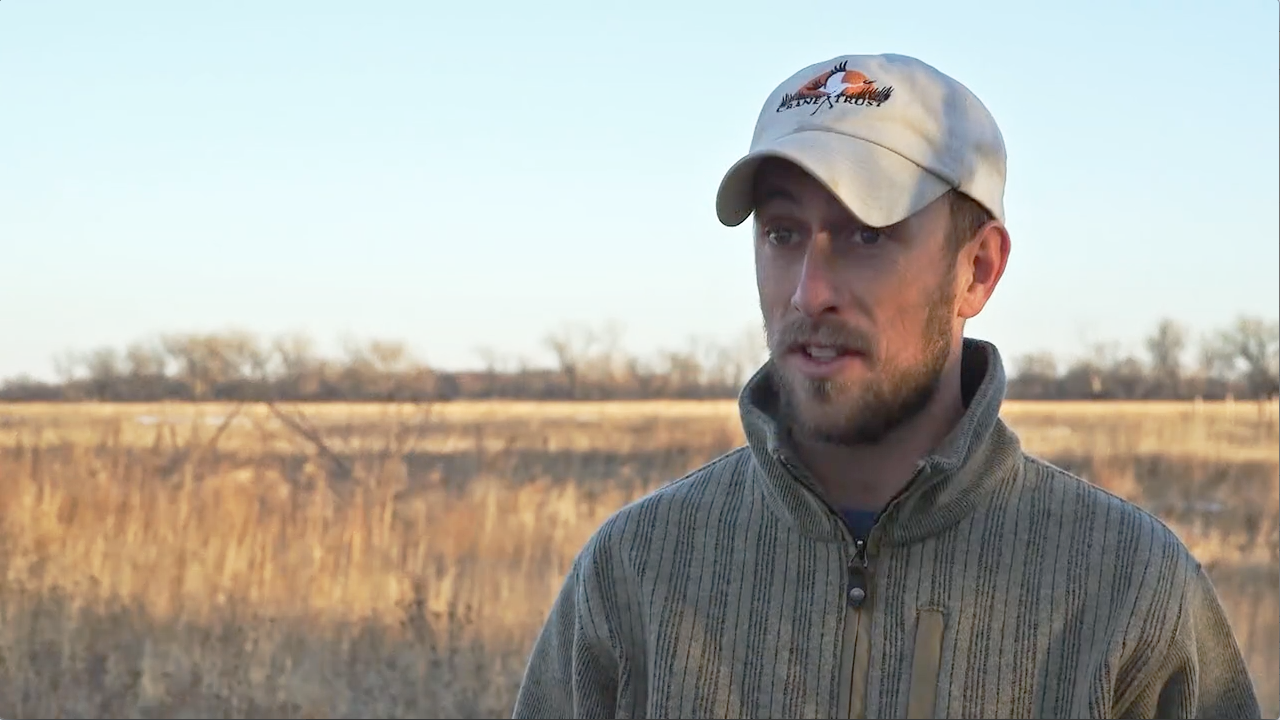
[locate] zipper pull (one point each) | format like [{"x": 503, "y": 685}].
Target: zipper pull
[{"x": 857, "y": 591}]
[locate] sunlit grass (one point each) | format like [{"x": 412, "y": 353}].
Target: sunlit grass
[{"x": 178, "y": 560}]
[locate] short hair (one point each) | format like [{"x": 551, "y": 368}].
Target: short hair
[{"x": 968, "y": 216}]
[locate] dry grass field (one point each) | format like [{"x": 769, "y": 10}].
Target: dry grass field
[{"x": 394, "y": 561}]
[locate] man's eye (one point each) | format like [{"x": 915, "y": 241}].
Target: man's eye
[
  {"x": 781, "y": 235},
  {"x": 868, "y": 236}
]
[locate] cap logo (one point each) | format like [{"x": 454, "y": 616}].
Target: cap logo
[{"x": 839, "y": 85}]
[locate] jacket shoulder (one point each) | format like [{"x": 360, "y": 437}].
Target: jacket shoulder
[
  {"x": 629, "y": 533},
  {"x": 1108, "y": 510},
  {"x": 711, "y": 483}
]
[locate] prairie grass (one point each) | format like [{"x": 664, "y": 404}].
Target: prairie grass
[{"x": 214, "y": 560}]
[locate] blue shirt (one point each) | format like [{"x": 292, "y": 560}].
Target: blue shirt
[{"x": 859, "y": 521}]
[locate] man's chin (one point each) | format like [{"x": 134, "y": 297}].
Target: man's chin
[
  {"x": 822, "y": 396},
  {"x": 824, "y": 418},
  {"x": 845, "y": 428}
]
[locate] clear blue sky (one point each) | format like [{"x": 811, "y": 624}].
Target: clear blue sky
[{"x": 458, "y": 178}]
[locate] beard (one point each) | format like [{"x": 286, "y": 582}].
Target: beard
[{"x": 848, "y": 412}]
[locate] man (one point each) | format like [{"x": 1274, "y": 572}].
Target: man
[{"x": 882, "y": 546}]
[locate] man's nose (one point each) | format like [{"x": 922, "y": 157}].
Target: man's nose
[{"x": 815, "y": 294}]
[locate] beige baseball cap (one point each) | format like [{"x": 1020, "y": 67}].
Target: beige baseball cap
[{"x": 886, "y": 134}]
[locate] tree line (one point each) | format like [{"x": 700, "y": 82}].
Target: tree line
[{"x": 1238, "y": 361}]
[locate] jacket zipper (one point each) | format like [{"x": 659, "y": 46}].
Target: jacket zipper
[
  {"x": 856, "y": 634},
  {"x": 856, "y": 647}
]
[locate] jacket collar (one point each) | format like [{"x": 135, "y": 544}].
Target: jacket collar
[{"x": 977, "y": 455}]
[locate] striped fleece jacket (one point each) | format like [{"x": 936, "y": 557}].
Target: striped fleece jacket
[{"x": 995, "y": 585}]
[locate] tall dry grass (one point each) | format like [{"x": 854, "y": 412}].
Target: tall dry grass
[{"x": 214, "y": 561}]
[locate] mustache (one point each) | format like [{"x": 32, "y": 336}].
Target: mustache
[{"x": 804, "y": 331}]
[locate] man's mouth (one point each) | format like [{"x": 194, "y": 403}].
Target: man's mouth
[
  {"x": 819, "y": 362},
  {"x": 822, "y": 353}
]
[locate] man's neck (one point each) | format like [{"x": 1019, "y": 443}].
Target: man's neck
[{"x": 868, "y": 476}]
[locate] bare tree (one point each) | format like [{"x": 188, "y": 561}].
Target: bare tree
[
  {"x": 751, "y": 351},
  {"x": 145, "y": 360},
  {"x": 684, "y": 372},
  {"x": 1036, "y": 375},
  {"x": 492, "y": 361},
  {"x": 105, "y": 369},
  {"x": 391, "y": 356},
  {"x": 1041, "y": 365},
  {"x": 1249, "y": 352},
  {"x": 1127, "y": 378},
  {"x": 243, "y": 357},
  {"x": 391, "y": 362},
  {"x": 297, "y": 369},
  {"x": 1165, "y": 347},
  {"x": 727, "y": 365},
  {"x": 67, "y": 366},
  {"x": 191, "y": 367},
  {"x": 591, "y": 363},
  {"x": 608, "y": 361},
  {"x": 571, "y": 346},
  {"x": 295, "y": 354}
]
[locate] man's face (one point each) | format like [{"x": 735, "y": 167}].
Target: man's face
[{"x": 860, "y": 321}]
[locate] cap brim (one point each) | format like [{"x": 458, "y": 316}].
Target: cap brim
[{"x": 879, "y": 186}]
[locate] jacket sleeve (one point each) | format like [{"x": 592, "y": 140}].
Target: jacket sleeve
[
  {"x": 573, "y": 670},
  {"x": 1202, "y": 673}
]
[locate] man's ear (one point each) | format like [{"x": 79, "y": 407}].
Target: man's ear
[{"x": 982, "y": 264}]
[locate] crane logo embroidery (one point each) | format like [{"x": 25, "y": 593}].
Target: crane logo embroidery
[{"x": 839, "y": 85}]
